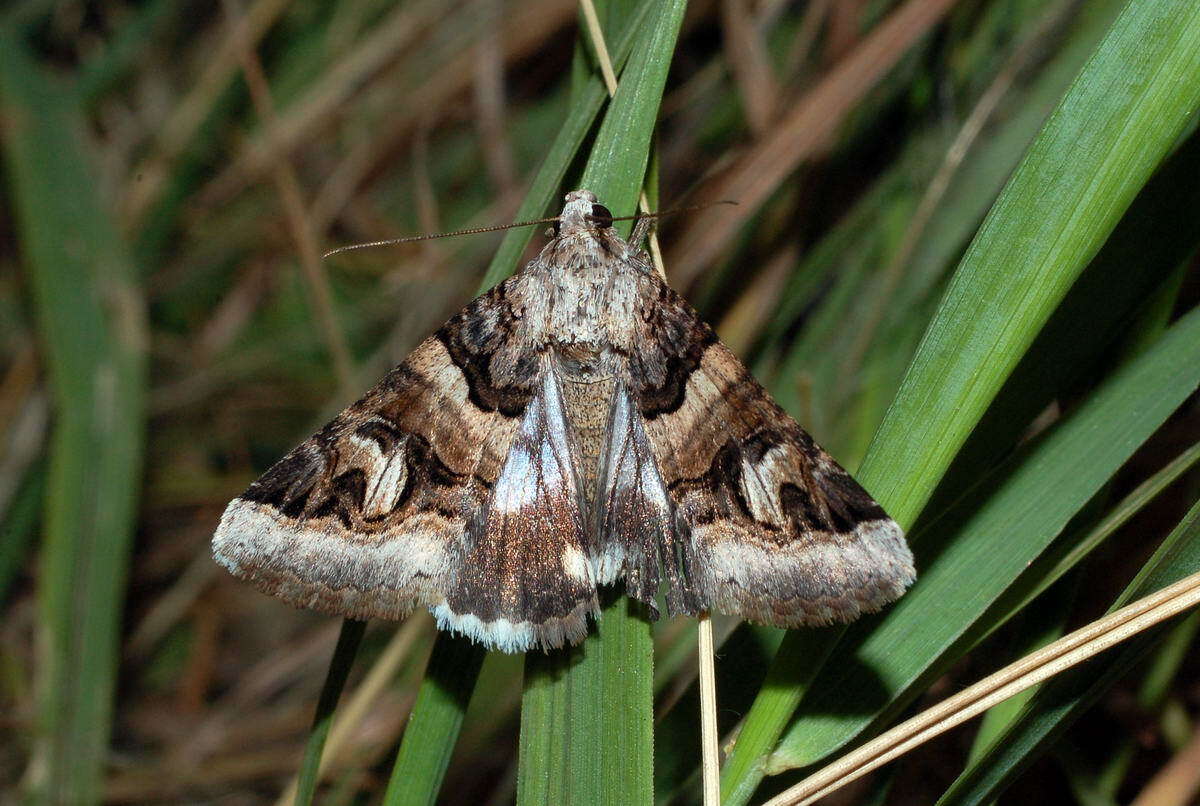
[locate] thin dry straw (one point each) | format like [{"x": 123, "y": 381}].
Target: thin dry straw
[
  {"x": 1013, "y": 679},
  {"x": 708, "y": 714}
]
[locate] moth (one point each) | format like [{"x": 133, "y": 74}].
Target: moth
[{"x": 577, "y": 425}]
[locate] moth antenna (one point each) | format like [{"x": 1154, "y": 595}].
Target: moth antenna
[
  {"x": 413, "y": 238},
  {"x": 672, "y": 211}
]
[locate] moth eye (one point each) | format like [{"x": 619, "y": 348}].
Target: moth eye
[{"x": 601, "y": 216}]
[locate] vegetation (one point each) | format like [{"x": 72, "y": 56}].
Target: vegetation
[{"x": 963, "y": 256}]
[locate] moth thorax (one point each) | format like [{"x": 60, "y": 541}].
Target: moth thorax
[{"x": 581, "y": 361}]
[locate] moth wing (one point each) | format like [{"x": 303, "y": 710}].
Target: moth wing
[
  {"x": 526, "y": 579},
  {"x": 377, "y": 512},
  {"x": 637, "y": 536},
  {"x": 776, "y": 531}
]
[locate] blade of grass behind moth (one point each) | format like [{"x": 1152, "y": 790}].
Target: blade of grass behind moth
[
  {"x": 1063, "y": 699},
  {"x": 1066, "y": 554},
  {"x": 335, "y": 680},
  {"x": 887, "y": 659},
  {"x": 1116, "y": 123},
  {"x": 546, "y": 183},
  {"x": 848, "y": 328},
  {"x": 453, "y": 668},
  {"x": 1069, "y": 552},
  {"x": 1146, "y": 616},
  {"x": 967, "y": 575},
  {"x": 1119, "y": 118},
  {"x": 1077, "y": 341},
  {"x": 89, "y": 314},
  {"x": 437, "y": 716},
  {"x": 973, "y": 189},
  {"x": 1158, "y": 235},
  {"x": 20, "y": 521},
  {"x": 587, "y": 712},
  {"x": 1039, "y": 626}
]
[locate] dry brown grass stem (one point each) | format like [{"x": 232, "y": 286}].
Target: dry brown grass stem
[
  {"x": 490, "y": 104},
  {"x": 812, "y": 120},
  {"x": 524, "y": 30},
  {"x": 710, "y": 752},
  {"x": 288, "y": 186},
  {"x": 747, "y": 317},
  {"x": 750, "y": 64},
  {"x": 1034, "y": 668},
  {"x": 149, "y": 178},
  {"x": 322, "y": 103}
]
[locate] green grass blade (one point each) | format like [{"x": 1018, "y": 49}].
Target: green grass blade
[
  {"x": 798, "y": 661},
  {"x": 1063, "y": 699},
  {"x": 89, "y": 313},
  {"x": 1039, "y": 627},
  {"x": 1157, "y": 235},
  {"x": 335, "y": 680},
  {"x": 969, "y": 195},
  {"x": 1068, "y": 553},
  {"x": 544, "y": 189},
  {"x": 1044, "y": 619},
  {"x": 586, "y": 717},
  {"x": 886, "y": 659},
  {"x": 19, "y": 524},
  {"x": 1125, "y": 111},
  {"x": 587, "y": 713},
  {"x": 1114, "y": 125},
  {"x": 436, "y": 719}
]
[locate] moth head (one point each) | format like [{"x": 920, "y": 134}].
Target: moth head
[{"x": 582, "y": 213}]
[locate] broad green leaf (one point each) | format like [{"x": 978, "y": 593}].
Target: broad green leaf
[{"x": 586, "y": 716}]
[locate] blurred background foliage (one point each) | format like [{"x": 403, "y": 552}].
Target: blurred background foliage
[{"x": 168, "y": 330}]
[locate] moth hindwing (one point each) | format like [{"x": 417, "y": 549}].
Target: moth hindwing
[{"x": 577, "y": 425}]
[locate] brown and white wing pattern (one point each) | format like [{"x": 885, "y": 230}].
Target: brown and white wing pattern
[
  {"x": 526, "y": 579},
  {"x": 638, "y": 536},
  {"x": 776, "y": 531},
  {"x": 387, "y": 507}
]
